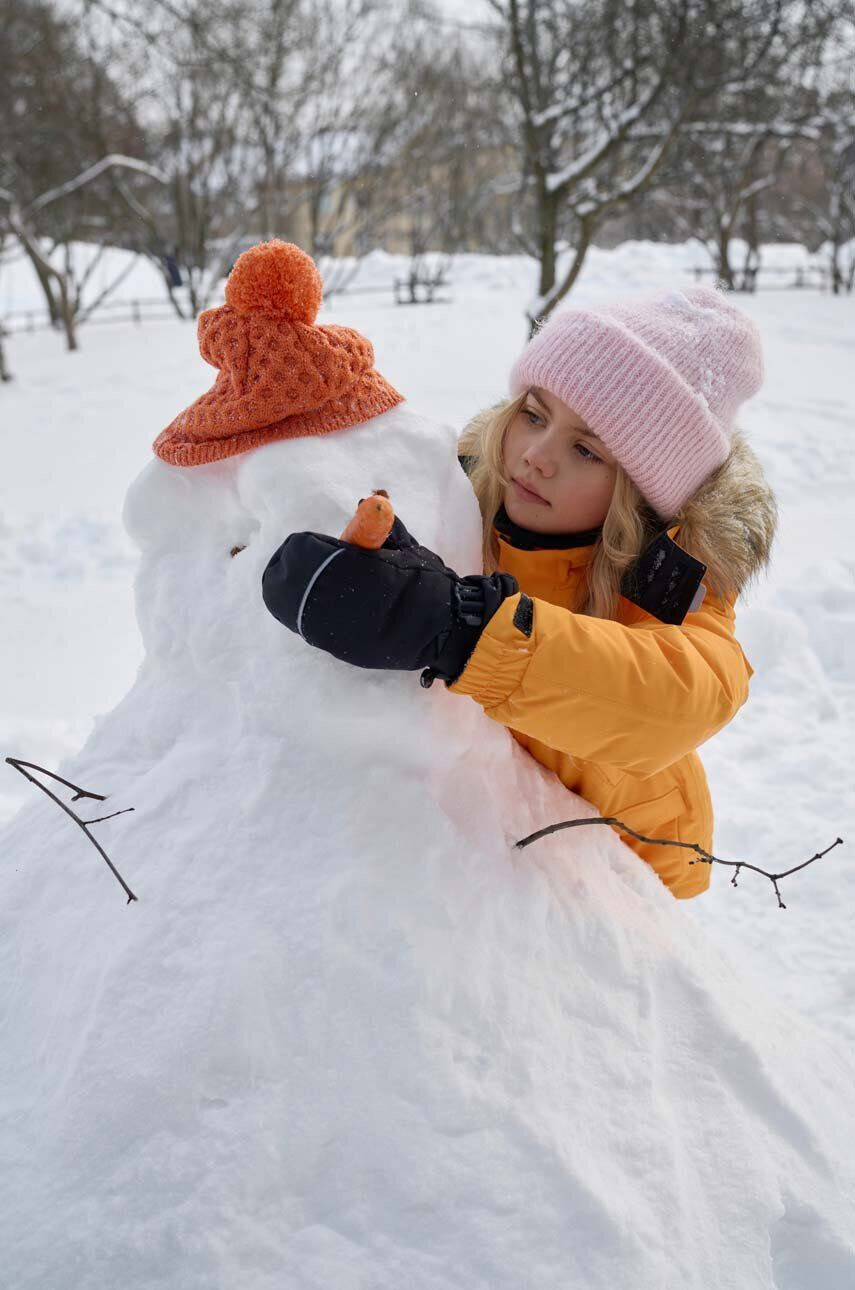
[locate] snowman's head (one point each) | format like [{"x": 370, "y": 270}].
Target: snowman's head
[{"x": 279, "y": 375}]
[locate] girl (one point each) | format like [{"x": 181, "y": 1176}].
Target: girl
[{"x": 623, "y": 515}]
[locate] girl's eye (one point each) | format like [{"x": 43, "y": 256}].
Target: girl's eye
[
  {"x": 584, "y": 451},
  {"x": 533, "y": 417}
]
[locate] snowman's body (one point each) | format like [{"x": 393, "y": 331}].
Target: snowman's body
[{"x": 349, "y": 1037}]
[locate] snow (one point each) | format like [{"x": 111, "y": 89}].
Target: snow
[{"x": 348, "y": 1035}]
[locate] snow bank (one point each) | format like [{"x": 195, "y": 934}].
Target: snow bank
[{"x": 348, "y": 1036}]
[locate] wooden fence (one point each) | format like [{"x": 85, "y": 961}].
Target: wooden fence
[
  {"x": 796, "y": 276},
  {"x": 158, "y": 309},
  {"x": 135, "y": 311}
]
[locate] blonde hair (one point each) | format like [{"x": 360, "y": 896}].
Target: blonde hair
[{"x": 629, "y": 525}]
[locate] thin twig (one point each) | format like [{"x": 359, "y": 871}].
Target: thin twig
[
  {"x": 704, "y": 856},
  {"x": 109, "y": 817},
  {"x": 78, "y": 793}
]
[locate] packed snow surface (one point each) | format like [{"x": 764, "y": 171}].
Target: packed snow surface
[{"x": 348, "y": 1035}]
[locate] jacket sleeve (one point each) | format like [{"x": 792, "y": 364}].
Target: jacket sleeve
[{"x": 636, "y": 697}]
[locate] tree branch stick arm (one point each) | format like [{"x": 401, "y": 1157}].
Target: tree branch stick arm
[{"x": 79, "y": 792}]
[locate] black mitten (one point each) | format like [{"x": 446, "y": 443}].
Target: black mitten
[{"x": 399, "y": 608}]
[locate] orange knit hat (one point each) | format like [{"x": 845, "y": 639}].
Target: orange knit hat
[{"x": 279, "y": 375}]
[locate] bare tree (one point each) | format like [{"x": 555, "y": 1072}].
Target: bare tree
[
  {"x": 260, "y": 107},
  {"x": 53, "y": 159},
  {"x": 829, "y": 213},
  {"x": 182, "y": 61},
  {"x": 837, "y": 222},
  {"x": 22, "y": 223},
  {"x": 375, "y": 95},
  {"x": 353, "y": 124},
  {"x": 601, "y": 91},
  {"x": 451, "y": 155},
  {"x": 715, "y": 183},
  {"x": 406, "y": 146},
  {"x": 733, "y": 152},
  {"x": 279, "y": 53}
]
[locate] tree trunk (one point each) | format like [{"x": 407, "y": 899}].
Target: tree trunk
[
  {"x": 752, "y": 254},
  {"x": 66, "y": 313},
  {"x": 45, "y": 284},
  {"x": 547, "y": 226},
  {"x": 836, "y": 275},
  {"x": 723, "y": 265},
  {"x": 5, "y": 374},
  {"x": 175, "y": 302}
]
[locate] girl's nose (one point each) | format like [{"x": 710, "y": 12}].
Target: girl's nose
[{"x": 536, "y": 457}]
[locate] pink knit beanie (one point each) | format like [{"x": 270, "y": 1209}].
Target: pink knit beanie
[{"x": 657, "y": 377}]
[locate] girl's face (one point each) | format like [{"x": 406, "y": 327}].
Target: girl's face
[{"x": 562, "y": 476}]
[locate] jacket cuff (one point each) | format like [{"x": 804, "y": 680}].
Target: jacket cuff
[{"x": 498, "y": 663}]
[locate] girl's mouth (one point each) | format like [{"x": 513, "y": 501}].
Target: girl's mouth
[{"x": 527, "y": 495}]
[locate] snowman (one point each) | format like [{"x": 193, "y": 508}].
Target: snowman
[{"x": 348, "y": 1036}]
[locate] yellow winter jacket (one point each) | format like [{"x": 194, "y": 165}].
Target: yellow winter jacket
[{"x": 617, "y": 709}]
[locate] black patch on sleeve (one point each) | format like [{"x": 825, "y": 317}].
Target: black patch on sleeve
[
  {"x": 524, "y": 616},
  {"x": 664, "y": 580}
]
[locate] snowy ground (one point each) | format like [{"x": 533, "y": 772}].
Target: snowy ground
[{"x": 78, "y": 428}]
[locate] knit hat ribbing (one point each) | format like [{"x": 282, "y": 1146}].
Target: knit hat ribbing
[
  {"x": 658, "y": 378},
  {"x": 279, "y": 375}
]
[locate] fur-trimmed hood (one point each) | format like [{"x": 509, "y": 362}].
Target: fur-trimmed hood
[{"x": 730, "y": 522}]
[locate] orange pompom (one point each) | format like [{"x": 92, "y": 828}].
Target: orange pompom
[{"x": 275, "y": 278}]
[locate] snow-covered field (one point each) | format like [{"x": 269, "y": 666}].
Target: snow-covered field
[{"x": 77, "y": 430}]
